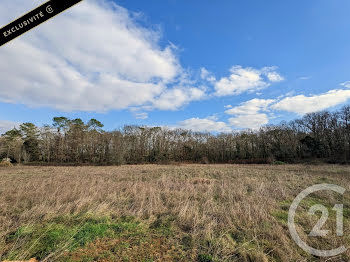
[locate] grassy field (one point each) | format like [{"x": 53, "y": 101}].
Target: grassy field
[{"x": 164, "y": 213}]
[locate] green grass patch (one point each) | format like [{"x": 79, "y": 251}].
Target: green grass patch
[
  {"x": 326, "y": 180},
  {"x": 205, "y": 258},
  {"x": 312, "y": 200},
  {"x": 163, "y": 224},
  {"x": 65, "y": 233},
  {"x": 285, "y": 205},
  {"x": 280, "y": 215}
]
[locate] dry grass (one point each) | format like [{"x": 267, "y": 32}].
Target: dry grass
[
  {"x": 201, "y": 212},
  {"x": 30, "y": 260},
  {"x": 5, "y": 164}
]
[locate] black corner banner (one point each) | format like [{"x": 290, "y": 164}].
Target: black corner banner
[{"x": 34, "y": 18}]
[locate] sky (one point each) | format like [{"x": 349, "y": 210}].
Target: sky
[{"x": 207, "y": 65}]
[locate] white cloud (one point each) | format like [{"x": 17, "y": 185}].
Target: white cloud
[
  {"x": 141, "y": 115},
  {"x": 304, "y": 78},
  {"x": 274, "y": 77},
  {"x": 250, "y": 114},
  {"x": 246, "y": 80},
  {"x": 204, "y": 125},
  {"x": 7, "y": 125},
  {"x": 301, "y": 104},
  {"x": 346, "y": 84},
  {"x": 174, "y": 98},
  {"x": 93, "y": 57},
  {"x": 250, "y": 107},
  {"x": 206, "y": 75},
  {"x": 255, "y": 113},
  {"x": 253, "y": 121},
  {"x": 97, "y": 57}
]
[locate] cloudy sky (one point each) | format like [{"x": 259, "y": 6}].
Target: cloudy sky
[{"x": 208, "y": 66}]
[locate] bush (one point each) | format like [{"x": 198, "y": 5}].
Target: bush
[{"x": 5, "y": 164}]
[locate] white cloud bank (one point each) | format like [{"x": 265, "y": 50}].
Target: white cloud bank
[
  {"x": 93, "y": 57},
  {"x": 346, "y": 84},
  {"x": 246, "y": 80},
  {"x": 255, "y": 113},
  {"x": 250, "y": 114},
  {"x": 97, "y": 57},
  {"x": 204, "y": 125},
  {"x": 301, "y": 104}
]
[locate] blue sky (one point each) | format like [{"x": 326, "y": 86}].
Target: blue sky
[{"x": 207, "y": 66}]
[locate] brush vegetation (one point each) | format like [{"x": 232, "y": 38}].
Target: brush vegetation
[{"x": 164, "y": 213}]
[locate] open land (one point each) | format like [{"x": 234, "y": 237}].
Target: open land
[{"x": 165, "y": 212}]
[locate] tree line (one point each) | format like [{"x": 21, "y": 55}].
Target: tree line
[{"x": 321, "y": 135}]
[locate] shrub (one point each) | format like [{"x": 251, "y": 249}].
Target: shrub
[{"x": 5, "y": 164}]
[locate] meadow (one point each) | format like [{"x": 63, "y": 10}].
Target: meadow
[{"x": 165, "y": 212}]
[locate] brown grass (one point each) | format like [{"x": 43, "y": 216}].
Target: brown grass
[
  {"x": 5, "y": 164},
  {"x": 231, "y": 212},
  {"x": 30, "y": 260}
]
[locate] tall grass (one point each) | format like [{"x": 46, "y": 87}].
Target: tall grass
[{"x": 210, "y": 212}]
